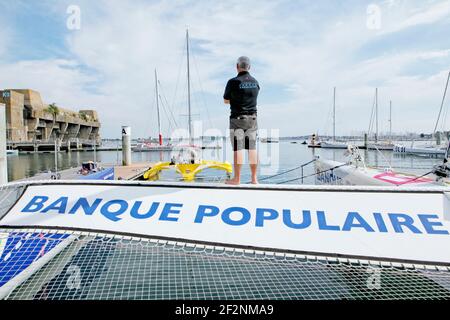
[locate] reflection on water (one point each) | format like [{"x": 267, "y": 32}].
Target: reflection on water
[{"x": 274, "y": 158}]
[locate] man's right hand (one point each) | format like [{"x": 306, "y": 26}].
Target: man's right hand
[{"x": 226, "y": 101}]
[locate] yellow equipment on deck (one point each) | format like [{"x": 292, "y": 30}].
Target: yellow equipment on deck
[{"x": 188, "y": 171}]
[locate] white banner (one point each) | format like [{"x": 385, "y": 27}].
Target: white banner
[{"x": 403, "y": 226}]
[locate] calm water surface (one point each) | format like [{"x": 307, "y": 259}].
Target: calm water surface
[{"x": 274, "y": 158}]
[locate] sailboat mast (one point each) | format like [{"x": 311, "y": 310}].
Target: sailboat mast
[
  {"x": 390, "y": 120},
  {"x": 376, "y": 114},
  {"x": 157, "y": 109},
  {"x": 189, "y": 88},
  {"x": 442, "y": 105},
  {"x": 334, "y": 115}
]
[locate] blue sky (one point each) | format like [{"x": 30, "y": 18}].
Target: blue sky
[{"x": 300, "y": 51}]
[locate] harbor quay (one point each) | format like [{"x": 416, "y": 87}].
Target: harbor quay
[{"x": 32, "y": 125}]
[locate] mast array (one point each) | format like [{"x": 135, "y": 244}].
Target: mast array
[
  {"x": 334, "y": 115},
  {"x": 157, "y": 109},
  {"x": 189, "y": 89},
  {"x": 376, "y": 115},
  {"x": 390, "y": 120}
]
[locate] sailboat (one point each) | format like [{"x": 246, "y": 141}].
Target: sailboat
[
  {"x": 149, "y": 146},
  {"x": 355, "y": 172},
  {"x": 187, "y": 162},
  {"x": 314, "y": 141},
  {"x": 425, "y": 150},
  {"x": 12, "y": 152},
  {"x": 381, "y": 145},
  {"x": 433, "y": 149},
  {"x": 333, "y": 144}
]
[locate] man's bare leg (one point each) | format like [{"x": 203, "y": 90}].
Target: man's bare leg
[
  {"x": 238, "y": 159},
  {"x": 253, "y": 160}
]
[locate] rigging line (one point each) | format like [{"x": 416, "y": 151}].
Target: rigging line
[
  {"x": 444, "y": 119},
  {"x": 442, "y": 104},
  {"x": 315, "y": 174},
  {"x": 280, "y": 174},
  {"x": 401, "y": 167},
  {"x": 415, "y": 179},
  {"x": 167, "y": 116},
  {"x": 374, "y": 113},
  {"x": 181, "y": 108},
  {"x": 288, "y": 171},
  {"x": 171, "y": 115},
  {"x": 201, "y": 90},
  {"x": 372, "y": 118},
  {"x": 152, "y": 109},
  {"x": 165, "y": 107},
  {"x": 178, "y": 77},
  {"x": 328, "y": 119},
  {"x": 385, "y": 159},
  {"x": 167, "y": 102},
  {"x": 160, "y": 93},
  {"x": 370, "y": 122}
]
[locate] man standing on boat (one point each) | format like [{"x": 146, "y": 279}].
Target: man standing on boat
[{"x": 241, "y": 93}]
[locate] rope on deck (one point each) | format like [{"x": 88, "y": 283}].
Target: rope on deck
[
  {"x": 314, "y": 174},
  {"x": 287, "y": 171}
]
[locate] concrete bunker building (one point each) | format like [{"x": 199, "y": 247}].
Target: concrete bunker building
[{"x": 32, "y": 126}]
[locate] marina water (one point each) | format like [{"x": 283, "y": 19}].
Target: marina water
[{"x": 275, "y": 158}]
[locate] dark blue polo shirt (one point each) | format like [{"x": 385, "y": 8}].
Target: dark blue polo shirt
[{"x": 242, "y": 91}]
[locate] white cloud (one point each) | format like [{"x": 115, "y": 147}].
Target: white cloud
[
  {"x": 130, "y": 40},
  {"x": 428, "y": 16},
  {"x": 58, "y": 81},
  {"x": 423, "y": 16},
  {"x": 5, "y": 39},
  {"x": 298, "y": 59},
  {"x": 435, "y": 54}
]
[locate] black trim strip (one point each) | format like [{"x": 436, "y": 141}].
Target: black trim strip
[
  {"x": 242, "y": 187},
  {"x": 15, "y": 202}
]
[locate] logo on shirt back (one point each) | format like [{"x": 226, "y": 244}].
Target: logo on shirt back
[{"x": 248, "y": 85}]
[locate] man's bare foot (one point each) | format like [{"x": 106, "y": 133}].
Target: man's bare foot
[
  {"x": 254, "y": 182},
  {"x": 233, "y": 182}
]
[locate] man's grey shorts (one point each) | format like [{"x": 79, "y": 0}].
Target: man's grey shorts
[{"x": 243, "y": 132}]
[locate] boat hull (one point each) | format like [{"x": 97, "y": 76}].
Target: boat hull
[
  {"x": 334, "y": 145},
  {"x": 12, "y": 152},
  {"x": 338, "y": 173},
  {"x": 423, "y": 150}
]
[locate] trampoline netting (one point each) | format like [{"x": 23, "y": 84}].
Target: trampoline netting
[{"x": 91, "y": 266}]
